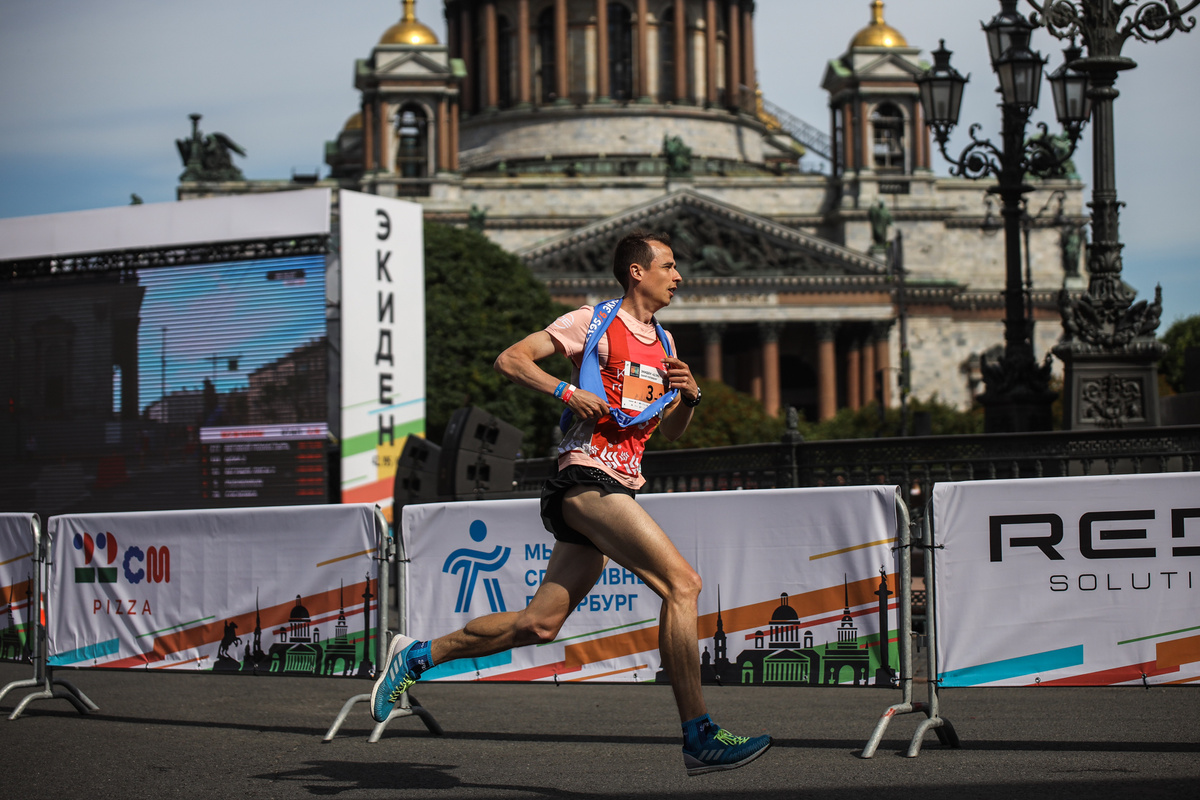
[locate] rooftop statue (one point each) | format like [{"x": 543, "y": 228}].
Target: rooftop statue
[{"x": 207, "y": 158}]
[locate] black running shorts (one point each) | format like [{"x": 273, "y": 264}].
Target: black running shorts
[{"x": 556, "y": 487}]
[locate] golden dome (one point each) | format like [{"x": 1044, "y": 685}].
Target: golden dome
[
  {"x": 878, "y": 33},
  {"x": 354, "y": 123},
  {"x": 408, "y": 30}
]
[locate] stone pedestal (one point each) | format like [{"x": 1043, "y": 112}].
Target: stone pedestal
[{"x": 1107, "y": 390}]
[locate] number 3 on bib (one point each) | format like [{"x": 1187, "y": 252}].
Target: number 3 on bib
[{"x": 642, "y": 386}]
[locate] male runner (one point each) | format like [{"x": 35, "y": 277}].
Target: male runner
[{"x": 589, "y": 505}]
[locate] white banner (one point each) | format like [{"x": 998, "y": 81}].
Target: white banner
[
  {"x": 791, "y": 587},
  {"x": 289, "y": 590},
  {"x": 1068, "y": 581},
  {"x": 17, "y": 550},
  {"x": 383, "y": 341}
]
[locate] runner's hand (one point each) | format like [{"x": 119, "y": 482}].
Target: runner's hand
[
  {"x": 586, "y": 405},
  {"x": 679, "y": 376}
]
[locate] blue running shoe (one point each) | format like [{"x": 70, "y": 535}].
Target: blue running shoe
[
  {"x": 721, "y": 750},
  {"x": 394, "y": 679}
]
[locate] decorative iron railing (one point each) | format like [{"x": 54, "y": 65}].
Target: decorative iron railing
[{"x": 915, "y": 464}]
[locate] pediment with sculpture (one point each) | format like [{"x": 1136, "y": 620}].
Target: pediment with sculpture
[{"x": 711, "y": 239}]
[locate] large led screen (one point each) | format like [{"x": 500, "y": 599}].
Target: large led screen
[{"x": 166, "y": 387}]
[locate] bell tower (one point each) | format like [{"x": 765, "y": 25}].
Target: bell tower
[
  {"x": 878, "y": 134},
  {"x": 404, "y": 140}
]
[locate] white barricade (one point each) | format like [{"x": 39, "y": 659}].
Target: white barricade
[
  {"x": 23, "y": 567},
  {"x": 18, "y": 603},
  {"x": 1091, "y": 581},
  {"x": 791, "y": 594},
  {"x": 290, "y": 590}
]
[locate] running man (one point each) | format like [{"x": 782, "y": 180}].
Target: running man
[{"x": 630, "y": 382}]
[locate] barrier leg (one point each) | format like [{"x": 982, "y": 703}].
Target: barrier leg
[
  {"x": 23, "y": 684},
  {"x": 408, "y": 706},
  {"x": 76, "y": 693},
  {"x": 904, "y": 636},
  {"x": 936, "y": 722}
]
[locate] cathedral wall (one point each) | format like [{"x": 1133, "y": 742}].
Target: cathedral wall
[{"x": 619, "y": 133}]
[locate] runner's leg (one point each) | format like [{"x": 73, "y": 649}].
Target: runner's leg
[
  {"x": 623, "y": 530},
  {"x": 572, "y": 572}
]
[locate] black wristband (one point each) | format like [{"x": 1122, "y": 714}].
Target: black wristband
[{"x": 691, "y": 403}]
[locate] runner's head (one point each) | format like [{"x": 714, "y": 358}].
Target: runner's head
[{"x": 635, "y": 248}]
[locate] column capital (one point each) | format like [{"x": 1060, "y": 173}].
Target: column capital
[
  {"x": 880, "y": 329},
  {"x": 713, "y": 331},
  {"x": 770, "y": 331},
  {"x": 826, "y": 330}
]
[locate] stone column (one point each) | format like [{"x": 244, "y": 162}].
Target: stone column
[
  {"x": 854, "y": 375},
  {"x": 454, "y": 114},
  {"x": 643, "y": 51},
  {"x": 733, "y": 54},
  {"x": 368, "y": 112},
  {"x": 562, "y": 61},
  {"x": 769, "y": 333},
  {"x": 524, "y": 82},
  {"x": 681, "y": 56},
  {"x": 713, "y": 334},
  {"x": 749, "y": 69},
  {"x": 826, "y": 371},
  {"x": 710, "y": 52},
  {"x": 883, "y": 360},
  {"x": 443, "y": 137},
  {"x": 868, "y": 371},
  {"x": 864, "y": 145},
  {"x": 491, "y": 55},
  {"x": 468, "y": 57},
  {"x": 382, "y": 145},
  {"x": 603, "y": 90},
  {"x": 848, "y": 138}
]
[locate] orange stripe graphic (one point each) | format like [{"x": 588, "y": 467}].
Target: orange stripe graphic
[
  {"x": 273, "y": 617},
  {"x": 369, "y": 492},
  {"x": 1177, "y": 652},
  {"x": 609, "y": 674},
  {"x": 755, "y": 615}
]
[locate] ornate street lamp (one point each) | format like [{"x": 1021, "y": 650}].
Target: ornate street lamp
[
  {"x": 1018, "y": 395},
  {"x": 1108, "y": 342}
]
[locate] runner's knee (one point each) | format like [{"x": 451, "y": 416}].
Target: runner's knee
[{"x": 538, "y": 630}]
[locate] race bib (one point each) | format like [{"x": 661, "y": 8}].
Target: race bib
[{"x": 641, "y": 387}]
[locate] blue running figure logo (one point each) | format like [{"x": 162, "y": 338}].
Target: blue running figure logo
[{"x": 472, "y": 562}]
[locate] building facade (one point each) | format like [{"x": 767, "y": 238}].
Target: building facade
[{"x": 555, "y": 126}]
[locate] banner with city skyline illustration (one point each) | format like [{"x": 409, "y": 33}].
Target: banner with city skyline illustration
[
  {"x": 382, "y": 298},
  {"x": 1080, "y": 581},
  {"x": 17, "y": 549},
  {"x": 289, "y": 590},
  {"x": 792, "y": 588}
]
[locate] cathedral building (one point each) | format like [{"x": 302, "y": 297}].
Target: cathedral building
[{"x": 556, "y": 126}]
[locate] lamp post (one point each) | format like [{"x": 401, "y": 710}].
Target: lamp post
[
  {"x": 1017, "y": 395},
  {"x": 1108, "y": 343}
]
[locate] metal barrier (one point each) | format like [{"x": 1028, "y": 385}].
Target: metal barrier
[{"x": 37, "y": 612}]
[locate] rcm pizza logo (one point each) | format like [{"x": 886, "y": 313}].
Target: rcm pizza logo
[{"x": 152, "y": 566}]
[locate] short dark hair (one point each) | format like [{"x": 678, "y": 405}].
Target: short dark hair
[{"x": 635, "y": 248}]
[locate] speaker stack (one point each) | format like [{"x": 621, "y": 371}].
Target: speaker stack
[{"x": 478, "y": 458}]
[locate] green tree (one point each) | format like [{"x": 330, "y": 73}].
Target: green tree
[
  {"x": 724, "y": 417},
  {"x": 865, "y": 423},
  {"x": 480, "y": 299},
  {"x": 1182, "y": 334}
]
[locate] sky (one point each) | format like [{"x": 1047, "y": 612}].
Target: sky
[{"x": 94, "y": 95}]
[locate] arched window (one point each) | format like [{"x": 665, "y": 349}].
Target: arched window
[
  {"x": 620, "y": 51},
  {"x": 504, "y": 59},
  {"x": 888, "y": 124},
  {"x": 546, "y": 56},
  {"x": 666, "y": 56},
  {"x": 412, "y": 155}
]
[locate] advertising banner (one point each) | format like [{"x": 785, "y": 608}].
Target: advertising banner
[
  {"x": 383, "y": 341},
  {"x": 1088, "y": 581},
  {"x": 16, "y": 586},
  {"x": 276, "y": 591},
  {"x": 792, "y": 588}
]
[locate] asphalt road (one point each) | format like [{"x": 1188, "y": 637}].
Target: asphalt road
[{"x": 166, "y": 735}]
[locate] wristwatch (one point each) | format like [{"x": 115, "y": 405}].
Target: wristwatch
[{"x": 691, "y": 403}]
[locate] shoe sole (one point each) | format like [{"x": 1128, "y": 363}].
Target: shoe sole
[
  {"x": 706, "y": 768},
  {"x": 399, "y": 642}
]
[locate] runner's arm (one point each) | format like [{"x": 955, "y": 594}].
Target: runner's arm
[
  {"x": 678, "y": 415},
  {"x": 519, "y": 364}
]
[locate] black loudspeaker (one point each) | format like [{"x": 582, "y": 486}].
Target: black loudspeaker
[
  {"x": 479, "y": 452},
  {"x": 416, "y": 474}
]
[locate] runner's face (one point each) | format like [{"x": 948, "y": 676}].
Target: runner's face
[{"x": 662, "y": 279}]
